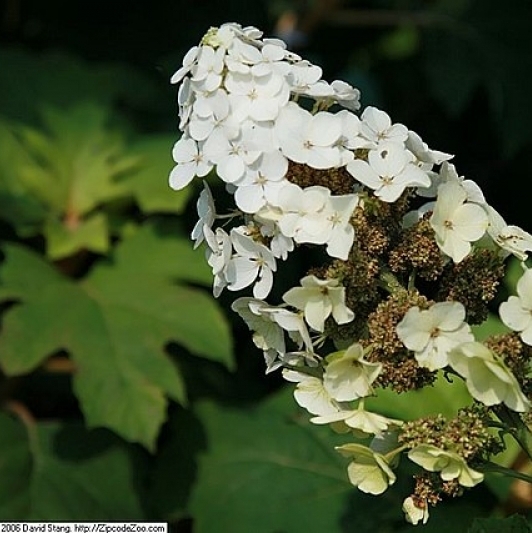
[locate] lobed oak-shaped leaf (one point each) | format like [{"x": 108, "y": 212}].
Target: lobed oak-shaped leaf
[
  {"x": 52, "y": 471},
  {"x": 115, "y": 325}
]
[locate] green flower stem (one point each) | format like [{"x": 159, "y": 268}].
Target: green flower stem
[
  {"x": 517, "y": 428},
  {"x": 498, "y": 469},
  {"x": 389, "y": 282}
]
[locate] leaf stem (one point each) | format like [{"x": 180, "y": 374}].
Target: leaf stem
[
  {"x": 517, "y": 428},
  {"x": 498, "y": 469}
]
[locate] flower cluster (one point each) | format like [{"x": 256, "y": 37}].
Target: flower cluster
[{"x": 412, "y": 255}]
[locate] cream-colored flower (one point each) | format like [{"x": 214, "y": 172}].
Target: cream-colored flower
[
  {"x": 415, "y": 514},
  {"x": 488, "y": 379},
  {"x": 311, "y": 394},
  {"x": 360, "y": 420},
  {"x": 369, "y": 471},
  {"x": 449, "y": 464},
  {"x": 348, "y": 376}
]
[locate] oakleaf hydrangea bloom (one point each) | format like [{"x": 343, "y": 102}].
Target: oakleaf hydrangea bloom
[
  {"x": 311, "y": 394},
  {"x": 457, "y": 223},
  {"x": 207, "y": 214},
  {"x": 516, "y": 312},
  {"x": 449, "y": 464},
  {"x": 348, "y": 375},
  {"x": 405, "y": 257},
  {"x": 388, "y": 171},
  {"x": 191, "y": 162},
  {"x": 511, "y": 239},
  {"x": 369, "y": 471},
  {"x": 318, "y": 299},
  {"x": 488, "y": 379},
  {"x": 362, "y": 421},
  {"x": 432, "y": 333},
  {"x": 415, "y": 513}
]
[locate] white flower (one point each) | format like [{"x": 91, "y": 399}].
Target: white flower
[
  {"x": 359, "y": 419},
  {"x": 341, "y": 233},
  {"x": 252, "y": 261},
  {"x": 388, "y": 172},
  {"x": 185, "y": 101},
  {"x": 213, "y": 112},
  {"x": 350, "y": 138},
  {"x": 295, "y": 325},
  {"x": 307, "y": 138},
  {"x": 262, "y": 182},
  {"x": 267, "y": 334},
  {"x": 221, "y": 37},
  {"x": 516, "y": 312},
  {"x": 280, "y": 245},
  {"x": 231, "y": 156},
  {"x": 207, "y": 214},
  {"x": 346, "y": 95},
  {"x": 348, "y": 375},
  {"x": 369, "y": 471},
  {"x": 414, "y": 513},
  {"x": 449, "y": 464},
  {"x": 455, "y": 222},
  {"x": 512, "y": 239},
  {"x": 377, "y": 127},
  {"x": 488, "y": 379},
  {"x": 188, "y": 155},
  {"x": 432, "y": 333},
  {"x": 218, "y": 253},
  {"x": 310, "y": 393},
  {"x": 423, "y": 153},
  {"x": 207, "y": 71},
  {"x": 188, "y": 62},
  {"x": 304, "y": 213},
  {"x": 318, "y": 299},
  {"x": 302, "y": 76},
  {"x": 257, "y": 97},
  {"x": 448, "y": 173}
]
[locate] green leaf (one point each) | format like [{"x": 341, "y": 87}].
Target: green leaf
[
  {"x": 76, "y": 160},
  {"x": 265, "y": 470},
  {"x": 90, "y": 233},
  {"x": 52, "y": 471},
  {"x": 512, "y": 524},
  {"x": 19, "y": 208},
  {"x": 115, "y": 324},
  {"x": 161, "y": 250},
  {"x": 149, "y": 184}
]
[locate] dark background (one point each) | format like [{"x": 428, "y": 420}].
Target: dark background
[{"x": 455, "y": 71}]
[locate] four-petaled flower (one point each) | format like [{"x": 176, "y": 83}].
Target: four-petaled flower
[
  {"x": 488, "y": 379},
  {"x": 516, "y": 312},
  {"x": 369, "y": 471},
  {"x": 456, "y": 222},
  {"x": 319, "y": 298},
  {"x": 348, "y": 375},
  {"x": 449, "y": 464},
  {"x": 432, "y": 333}
]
